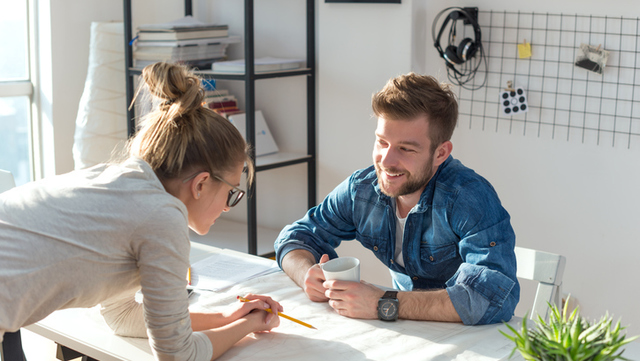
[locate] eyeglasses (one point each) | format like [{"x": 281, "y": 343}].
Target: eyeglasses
[{"x": 235, "y": 194}]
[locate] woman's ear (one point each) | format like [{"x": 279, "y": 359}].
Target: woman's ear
[{"x": 197, "y": 184}]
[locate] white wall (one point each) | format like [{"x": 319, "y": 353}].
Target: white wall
[
  {"x": 360, "y": 46},
  {"x": 572, "y": 199},
  {"x": 65, "y": 26},
  {"x": 63, "y": 70}
]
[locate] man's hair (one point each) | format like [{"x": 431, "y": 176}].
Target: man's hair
[{"x": 411, "y": 95}]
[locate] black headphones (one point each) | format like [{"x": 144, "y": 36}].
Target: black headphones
[
  {"x": 468, "y": 54},
  {"x": 467, "y": 49}
]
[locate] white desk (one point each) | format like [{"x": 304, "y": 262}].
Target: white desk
[{"x": 337, "y": 337}]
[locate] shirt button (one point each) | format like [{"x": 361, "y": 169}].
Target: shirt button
[
  {"x": 415, "y": 278},
  {"x": 492, "y": 244},
  {"x": 375, "y": 248},
  {"x": 431, "y": 258}
]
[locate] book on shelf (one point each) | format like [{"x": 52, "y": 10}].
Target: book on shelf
[
  {"x": 265, "y": 144},
  {"x": 232, "y": 39},
  {"x": 190, "y": 50},
  {"x": 228, "y": 112},
  {"x": 181, "y": 29},
  {"x": 226, "y": 104},
  {"x": 265, "y": 64},
  {"x": 181, "y": 35},
  {"x": 199, "y": 64},
  {"x": 184, "y": 23},
  {"x": 193, "y": 54},
  {"x": 185, "y": 52},
  {"x": 223, "y": 104}
]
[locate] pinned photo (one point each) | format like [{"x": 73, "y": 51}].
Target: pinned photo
[{"x": 592, "y": 58}]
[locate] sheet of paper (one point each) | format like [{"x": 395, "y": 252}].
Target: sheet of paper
[{"x": 228, "y": 268}]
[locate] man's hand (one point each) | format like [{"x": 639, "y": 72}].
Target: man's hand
[
  {"x": 301, "y": 266},
  {"x": 353, "y": 299},
  {"x": 313, "y": 281}
]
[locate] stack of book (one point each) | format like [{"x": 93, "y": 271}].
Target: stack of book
[
  {"x": 185, "y": 40},
  {"x": 222, "y": 102}
]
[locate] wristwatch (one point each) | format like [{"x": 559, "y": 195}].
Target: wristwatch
[{"x": 388, "y": 306}]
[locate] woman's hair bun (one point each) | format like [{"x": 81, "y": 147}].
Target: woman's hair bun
[{"x": 175, "y": 89}]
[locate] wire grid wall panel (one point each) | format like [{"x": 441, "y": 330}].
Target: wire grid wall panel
[{"x": 565, "y": 102}]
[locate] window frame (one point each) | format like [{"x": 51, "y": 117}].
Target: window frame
[{"x": 27, "y": 87}]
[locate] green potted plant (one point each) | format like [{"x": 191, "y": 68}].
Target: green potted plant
[{"x": 569, "y": 338}]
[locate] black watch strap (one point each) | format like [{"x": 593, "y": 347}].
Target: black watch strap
[{"x": 390, "y": 295}]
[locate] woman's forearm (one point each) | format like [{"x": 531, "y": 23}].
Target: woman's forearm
[{"x": 201, "y": 321}]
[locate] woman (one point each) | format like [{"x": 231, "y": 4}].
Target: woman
[{"x": 99, "y": 235}]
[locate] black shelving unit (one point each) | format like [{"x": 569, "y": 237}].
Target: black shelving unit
[{"x": 249, "y": 78}]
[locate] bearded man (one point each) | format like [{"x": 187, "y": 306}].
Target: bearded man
[{"x": 437, "y": 225}]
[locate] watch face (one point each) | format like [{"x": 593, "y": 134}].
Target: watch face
[{"x": 388, "y": 310}]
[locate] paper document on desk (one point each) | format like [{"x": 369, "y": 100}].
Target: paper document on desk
[{"x": 228, "y": 268}]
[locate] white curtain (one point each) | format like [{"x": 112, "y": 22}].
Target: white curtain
[{"x": 101, "y": 125}]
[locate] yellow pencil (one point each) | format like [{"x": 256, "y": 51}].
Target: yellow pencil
[
  {"x": 189, "y": 275},
  {"x": 281, "y": 315}
]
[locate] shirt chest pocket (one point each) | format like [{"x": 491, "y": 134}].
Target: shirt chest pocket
[
  {"x": 378, "y": 246},
  {"x": 439, "y": 262}
]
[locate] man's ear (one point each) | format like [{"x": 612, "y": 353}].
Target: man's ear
[{"x": 442, "y": 152}]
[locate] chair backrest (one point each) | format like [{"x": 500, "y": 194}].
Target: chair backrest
[
  {"x": 6, "y": 180},
  {"x": 547, "y": 269}
]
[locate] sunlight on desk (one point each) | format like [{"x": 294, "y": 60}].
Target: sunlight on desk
[{"x": 336, "y": 337}]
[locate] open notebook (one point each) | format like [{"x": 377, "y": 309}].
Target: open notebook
[{"x": 228, "y": 268}]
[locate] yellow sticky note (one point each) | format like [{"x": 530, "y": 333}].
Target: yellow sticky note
[{"x": 524, "y": 50}]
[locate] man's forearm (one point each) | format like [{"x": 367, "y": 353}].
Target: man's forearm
[
  {"x": 296, "y": 263},
  {"x": 427, "y": 306}
]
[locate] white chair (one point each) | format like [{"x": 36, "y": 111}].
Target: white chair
[
  {"x": 6, "y": 180},
  {"x": 547, "y": 269}
]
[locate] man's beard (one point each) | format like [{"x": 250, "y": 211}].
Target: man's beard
[{"x": 412, "y": 184}]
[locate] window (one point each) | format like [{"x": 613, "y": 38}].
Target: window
[{"x": 15, "y": 91}]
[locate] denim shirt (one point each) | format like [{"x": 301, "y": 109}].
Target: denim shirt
[{"x": 458, "y": 237}]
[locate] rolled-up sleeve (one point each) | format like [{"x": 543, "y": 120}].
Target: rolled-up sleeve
[{"x": 485, "y": 288}]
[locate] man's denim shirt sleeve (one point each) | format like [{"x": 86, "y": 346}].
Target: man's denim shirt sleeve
[
  {"x": 323, "y": 227},
  {"x": 484, "y": 289}
]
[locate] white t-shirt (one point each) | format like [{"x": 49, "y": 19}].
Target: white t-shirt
[
  {"x": 400, "y": 222},
  {"x": 97, "y": 236}
]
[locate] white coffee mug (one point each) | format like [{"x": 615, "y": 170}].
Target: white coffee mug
[{"x": 342, "y": 268}]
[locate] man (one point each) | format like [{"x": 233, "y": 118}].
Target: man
[{"x": 437, "y": 225}]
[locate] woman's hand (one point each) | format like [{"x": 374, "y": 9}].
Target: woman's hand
[
  {"x": 251, "y": 316},
  {"x": 254, "y": 302}
]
